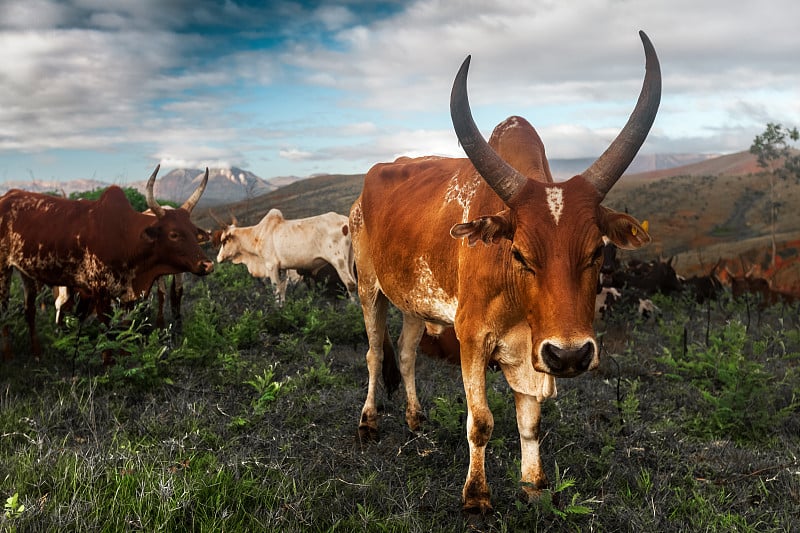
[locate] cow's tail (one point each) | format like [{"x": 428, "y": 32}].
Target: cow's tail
[
  {"x": 391, "y": 372},
  {"x": 351, "y": 257}
]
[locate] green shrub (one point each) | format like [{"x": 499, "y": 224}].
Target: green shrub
[
  {"x": 736, "y": 390},
  {"x": 267, "y": 390},
  {"x": 203, "y": 338},
  {"x": 246, "y": 331},
  {"x": 137, "y": 349}
]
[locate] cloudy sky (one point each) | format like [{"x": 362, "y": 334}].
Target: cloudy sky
[{"x": 106, "y": 89}]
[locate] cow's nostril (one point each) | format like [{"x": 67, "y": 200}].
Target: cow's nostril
[{"x": 568, "y": 361}]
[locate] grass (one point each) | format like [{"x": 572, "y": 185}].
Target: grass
[{"x": 245, "y": 419}]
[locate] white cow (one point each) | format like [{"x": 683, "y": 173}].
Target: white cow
[{"x": 276, "y": 244}]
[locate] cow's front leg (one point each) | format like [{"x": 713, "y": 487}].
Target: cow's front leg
[
  {"x": 533, "y": 478},
  {"x": 278, "y": 286},
  {"x": 476, "y": 497}
]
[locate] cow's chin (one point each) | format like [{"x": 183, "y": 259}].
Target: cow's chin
[{"x": 569, "y": 373}]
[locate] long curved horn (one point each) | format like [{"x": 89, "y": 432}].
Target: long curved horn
[
  {"x": 195, "y": 197},
  {"x": 234, "y": 222},
  {"x": 608, "y": 168},
  {"x": 504, "y": 179},
  {"x": 157, "y": 210}
]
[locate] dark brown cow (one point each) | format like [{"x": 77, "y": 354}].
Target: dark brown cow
[
  {"x": 706, "y": 287},
  {"x": 104, "y": 249},
  {"x": 524, "y": 297}
]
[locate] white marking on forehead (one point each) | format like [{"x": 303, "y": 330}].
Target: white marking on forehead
[
  {"x": 428, "y": 298},
  {"x": 555, "y": 201},
  {"x": 462, "y": 192}
]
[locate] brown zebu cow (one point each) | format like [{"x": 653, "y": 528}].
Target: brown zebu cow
[
  {"x": 64, "y": 299},
  {"x": 524, "y": 298},
  {"x": 104, "y": 249}
]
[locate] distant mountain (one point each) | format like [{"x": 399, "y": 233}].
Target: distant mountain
[
  {"x": 66, "y": 187},
  {"x": 225, "y": 185}
]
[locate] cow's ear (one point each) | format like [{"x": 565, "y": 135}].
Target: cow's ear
[
  {"x": 489, "y": 229},
  {"x": 622, "y": 229},
  {"x": 150, "y": 234}
]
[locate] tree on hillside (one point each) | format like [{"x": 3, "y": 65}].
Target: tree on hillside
[
  {"x": 137, "y": 199},
  {"x": 777, "y": 156}
]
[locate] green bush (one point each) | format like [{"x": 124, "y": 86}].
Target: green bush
[
  {"x": 738, "y": 394},
  {"x": 128, "y": 339}
]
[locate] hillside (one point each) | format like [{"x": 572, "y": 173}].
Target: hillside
[
  {"x": 642, "y": 164},
  {"x": 699, "y": 213},
  {"x": 738, "y": 164},
  {"x": 303, "y": 198}
]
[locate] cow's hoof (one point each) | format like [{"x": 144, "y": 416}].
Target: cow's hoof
[
  {"x": 415, "y": 420},
  {"x": 476, "y": 497},
  {"x": 480, "y": 507},
  {"x": 368, "y": 433},
  {"x": 531, "y": 492}
]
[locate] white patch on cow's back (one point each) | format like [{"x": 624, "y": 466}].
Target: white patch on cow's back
[
  {"x": 462, "y": 192},
  {"x": 428, "y": 298},
  {"x": 555, "y": 202}
]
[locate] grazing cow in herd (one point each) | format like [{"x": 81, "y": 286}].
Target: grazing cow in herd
[
  {"x": 706, "y": 287},
  {"x": 759, "y": 288},
  {"x": 523, "y": 297},
  {"x": 65, "y": 300},
  {"x": 276, "y": 244},
  {"x": 651, "y": 277},
  {"x": 103, "y": 249}
]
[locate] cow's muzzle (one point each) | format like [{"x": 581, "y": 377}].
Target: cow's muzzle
[
  {"x": 204, "y": 267},
  {"x": 567, "y": 362}
]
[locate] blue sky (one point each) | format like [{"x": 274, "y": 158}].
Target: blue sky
[{"x": 106, "y": 89}]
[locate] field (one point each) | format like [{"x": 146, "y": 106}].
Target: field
[{"x": 244, "y": 419}]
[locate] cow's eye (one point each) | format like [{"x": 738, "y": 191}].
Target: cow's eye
[
  {"x": 174, "y": 235},
  {"x": 519, "y": 258}
]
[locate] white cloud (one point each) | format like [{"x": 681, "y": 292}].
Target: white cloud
[
  {"x": 180, "y": 79},
  {"x": 294, "y": 154}
]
